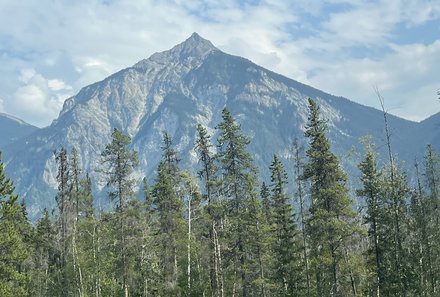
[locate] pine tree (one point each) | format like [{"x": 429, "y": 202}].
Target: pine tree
[
  {"x": 332, "y": 224},
  {"x": 121, "y": 161}
]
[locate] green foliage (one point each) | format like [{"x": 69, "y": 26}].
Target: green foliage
[
  {"x": 13, "y": 251},
  {"x": 332, "y": 222},
  {"x": 120, "y": 161},
  {"x": 225, "y": 238},
  {"x": 243, "y": 211},
  {"x": 286, "y": 246}
]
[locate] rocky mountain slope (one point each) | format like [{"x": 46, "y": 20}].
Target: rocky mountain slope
[
  {"x": 173, "y": 91},
  {"x": 12, "y": 129}
]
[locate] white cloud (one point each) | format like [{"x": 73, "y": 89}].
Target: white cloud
[
  {"x": 38, "y": 99},
  {"x": 406, "y": 77},
  {"x": 58, "y": 85}
]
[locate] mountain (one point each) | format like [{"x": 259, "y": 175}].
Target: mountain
[
  {"x": 173, "y": 91},
  {"x": 12, "y": 129},
  {"x": 431, "y": 127}
]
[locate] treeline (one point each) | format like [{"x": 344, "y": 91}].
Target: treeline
[{"x": 222, "y": 233}]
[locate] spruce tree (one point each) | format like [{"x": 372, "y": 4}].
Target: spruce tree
[
  {"x": 169, "y": 229},
  {"x": 169, "y": 154},
  {"x": 266, "y": 202},
  {"x": 396, "y": 195},
  {"x": 170, "y": 225},
  {"x": 64, "y": 203},
  {"x": 120, "y": 162},
  {"x": 298, "y": 150},
  {"x": 371, "y": 192},
  {"x": 332, "y": 224},
  {"x": 44, "y": 256},
  {"x": 208, "y": 174},
  {"x": 88, "y": 239},
  {"x": 288, "y": 264},
  {"x": 243, "y": 209}
]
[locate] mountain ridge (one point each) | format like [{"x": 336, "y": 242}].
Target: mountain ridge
[
  {"x": 13, "y": 128},
  {"x": 174, "y": 90}
]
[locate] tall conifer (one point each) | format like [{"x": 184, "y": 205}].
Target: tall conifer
[
  {"x": 332, "y": 223},
  {"x": 120, "y": 162}
]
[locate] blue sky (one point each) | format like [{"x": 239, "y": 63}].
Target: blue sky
[{"x": 50, "y": 49}]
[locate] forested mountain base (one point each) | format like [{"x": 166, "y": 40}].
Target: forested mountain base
[{"x": 222, "y": 233}]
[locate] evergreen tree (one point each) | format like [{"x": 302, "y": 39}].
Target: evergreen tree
[
  {"x": 372, "y": 194},
  {"x": 243, "y": 209},
  {"x": 420, "y": 247},
  {"x": 85, "y": 198},
  {"x": 88, "y": 241},
  {"x": 44, "y": 256},
  {"x": 146, "y": 192},
  {"x": 64, "y": 210},
  {"x": 74, "y": 172},
  {"x": 288, "y": 264},
  {"x": 332, "y": 224},
  {"x": 431, "y": 216},
  {"x": 170, "y": 156},
  {"x": 121, "y": 161},
  {"x": 168, "y": 203},
  {"x": 208, "y": 174},
  {"x": 298, "y": 169},
  {"x": 13, "y": 250},
  {"x": 170, "y": 226},
  {"x": 396, "y": 195},
  {"x": 266, "y": 202}
]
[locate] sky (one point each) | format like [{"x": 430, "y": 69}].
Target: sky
[{"x": 50, "y": 49}]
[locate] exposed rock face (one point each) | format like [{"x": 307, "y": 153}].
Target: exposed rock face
[{"x": 173, "y": 91}]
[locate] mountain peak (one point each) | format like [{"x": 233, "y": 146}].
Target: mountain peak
[
  {"x": 195, "y": 40},
  {"x": 195, "y": 36},
  {"x": 195, "y": 46}
]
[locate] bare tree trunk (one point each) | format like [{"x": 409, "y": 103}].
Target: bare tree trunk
[
  {"x": 298, "y": 173},
  {"x": 95, "y": 242},
  {"x": 76, "y": 266},
  {"x": 352, "y": 280},
  {"x": 219, "y": 269},
  {"x": 234, "y": 284},
  {"x": 189, "y": 247}
]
